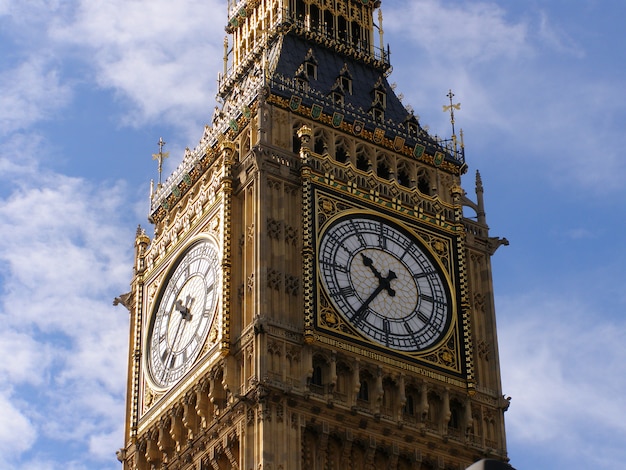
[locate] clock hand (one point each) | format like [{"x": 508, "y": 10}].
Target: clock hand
[
  {"x": 384, "y": 283},
  {"x": 184, "y": 310},
  {"x": 171, "y": 350},
  {"x": 359, "y": 313},
  {"x": 185, "y": 314}
]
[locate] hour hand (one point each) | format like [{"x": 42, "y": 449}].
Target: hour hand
[
  {"x": 367, "y": 261},
  {"x": 383, "y": 282},
  {"x": 184, "y": 311}
]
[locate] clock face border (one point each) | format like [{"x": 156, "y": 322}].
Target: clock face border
[
  {"x": 331, "y": 327},
  {"x": 384, "y": 281},
  {"x": 209, "y": 317}
]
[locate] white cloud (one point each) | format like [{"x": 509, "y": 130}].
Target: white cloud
[
  {"x": 467, "y": 32},
  {"x": 101, "y": 444},
  {"x": 158, "y": 54},
  {"x": 558, "y": 39},
  {"x": 31, "y": 91},
  {"x": 159, "y": 58},
  {"x": 65, "y": 258},
  {"x": 17, "y": 433},
  {"x": 28, "y": 358},
  {"x": 564, "y": 364}
]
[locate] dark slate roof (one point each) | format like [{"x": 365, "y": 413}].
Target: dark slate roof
[
  {"x": 293, "y": 53},
  {"x": 286, "y": 59}
]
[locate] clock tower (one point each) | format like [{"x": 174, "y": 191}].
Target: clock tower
[{"x": 314, "y": 296}]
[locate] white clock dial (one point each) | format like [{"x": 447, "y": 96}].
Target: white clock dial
[
  {"x": 184, "y": 313},
  {"x": 383, "y": 282}
]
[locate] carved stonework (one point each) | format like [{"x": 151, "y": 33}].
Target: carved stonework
[
  {"x": 484, "y": 349},
  {"x": 274, "y": 279},
  {"x": 287, "y": 378}
]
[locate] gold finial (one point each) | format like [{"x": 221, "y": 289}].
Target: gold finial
[
  {"x": 381, "y": 33},
  {"x": 451, "y": 107},
  {"x": 160, "y": 157},
  {"x": 225, "y": 56}
]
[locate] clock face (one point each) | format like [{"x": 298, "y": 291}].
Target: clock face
[
  {"x": 384, "y": 283},
  {"x": 186, "y": 308}
]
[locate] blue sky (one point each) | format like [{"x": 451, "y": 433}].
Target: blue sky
[{"x": 87, "y": 88}]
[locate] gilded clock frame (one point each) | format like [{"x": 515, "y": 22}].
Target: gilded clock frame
[
  {"x": 212, "y": 338},
  {"x": 331, "y": 328}
]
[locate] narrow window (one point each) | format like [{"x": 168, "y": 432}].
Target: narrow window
[
  {"x": 383, "y": 170},
  {"x": 409, "y": 407},
  {"x": 356, "y": 35},
  {"x": 362, "y": 163},
  {"x": 311, "y": 70},
  {"x": 341, "y": 155},
  {"x": 296, "y": 144},
  {"x": 329, "y": 21},
  {"x": 342, "y": 28},
  {"x": 300, "y": 10},
  {"x": 346, "y": 84},
  {"x": 403, "y": 178},
  {"x": 315, "y": 18},
  {"x": 316, "y": 379},
  {"x": 364, "y": 392},
  {"x": 320, "y": 145},
  {"x": 423, "y": 185},
  {"x": 454, "y": 419}
]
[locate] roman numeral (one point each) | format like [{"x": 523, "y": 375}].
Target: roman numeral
[
  {"x": 382, "y": 240},
  {"x": 344, "y": 292},
  {"x": 386, "y": 329},
  {"x": 360, "y": 316},
  {"x": 423, "y": 274}
]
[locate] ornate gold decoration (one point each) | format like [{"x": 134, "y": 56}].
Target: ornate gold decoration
[
  {"x": 160, "y": 157},
  {"x": 329, "y": 317},
  {"x": 448, "y": 355},
  {"x": 368, "y": 136}
]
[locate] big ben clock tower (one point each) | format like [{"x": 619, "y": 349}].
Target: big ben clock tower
[{"x": 313, "y": 296}]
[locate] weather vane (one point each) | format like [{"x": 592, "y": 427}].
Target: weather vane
[
  {"x": 160, "y": 157},
  {"x": 451, "y": 107}
]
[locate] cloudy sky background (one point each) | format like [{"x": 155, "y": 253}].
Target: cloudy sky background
[{"x": 87, "y": 88}]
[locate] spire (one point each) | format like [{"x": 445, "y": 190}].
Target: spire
[
  {"x": 380, "y": 31},
  {"x": 480, "y": 212},
  {"x": 225, "y": 56}
]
